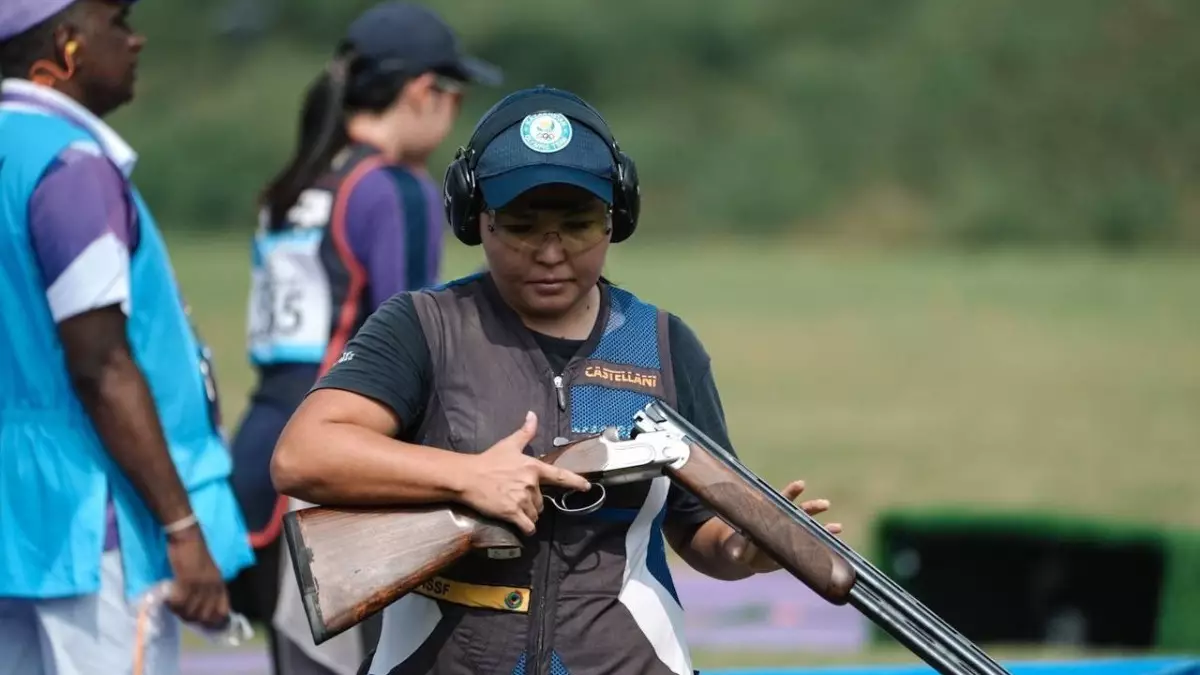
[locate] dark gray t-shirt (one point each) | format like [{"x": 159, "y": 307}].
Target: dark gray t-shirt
[{"x": 391, "y": 364}]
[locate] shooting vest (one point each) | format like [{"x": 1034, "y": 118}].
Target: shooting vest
[
  {"x": 591, "y": 594},
  {"x": 55, "y": 474},
  {"x": 308, "y": 291}
]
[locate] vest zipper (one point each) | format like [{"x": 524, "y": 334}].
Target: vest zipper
[
  {"x": 558, "y": 391},
  {"x": 540, "y": 632},
  {"x": 539, "y": 637}
]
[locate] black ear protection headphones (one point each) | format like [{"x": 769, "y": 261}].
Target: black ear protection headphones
[{"x": 460, "y": 191}]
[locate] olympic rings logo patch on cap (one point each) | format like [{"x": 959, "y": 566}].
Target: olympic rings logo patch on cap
[{"x": 546, "y": 132}]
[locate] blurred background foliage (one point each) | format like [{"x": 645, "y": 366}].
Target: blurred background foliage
[
  {"x": 765, "y": 129},
  {"x": 906, "y": 122}
]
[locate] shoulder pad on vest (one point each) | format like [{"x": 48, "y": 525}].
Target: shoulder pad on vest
[{"x": 461, "y": 281}]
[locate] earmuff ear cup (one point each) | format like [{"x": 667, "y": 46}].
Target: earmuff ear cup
[
  {"x": 627, "y": 199},
  {"x": 459, "y": 197}
]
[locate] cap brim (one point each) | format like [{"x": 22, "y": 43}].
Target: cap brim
[
  {"x": 499, "y": 190},
  {"x": 478, "y": 71},
  {"x": 14, "y": 22}
]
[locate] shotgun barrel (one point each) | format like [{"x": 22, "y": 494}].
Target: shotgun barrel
[{"x": 802, "y": 546}]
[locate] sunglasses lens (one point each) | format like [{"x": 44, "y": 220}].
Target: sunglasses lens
[{"x": 576, "y": 233}]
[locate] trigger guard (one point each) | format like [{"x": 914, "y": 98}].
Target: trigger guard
[{"x": 590, "y": 508}]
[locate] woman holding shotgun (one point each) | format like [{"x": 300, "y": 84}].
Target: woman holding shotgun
[
  {"x": 351, "y": 220},
  {"x": 449, "y": 394}
]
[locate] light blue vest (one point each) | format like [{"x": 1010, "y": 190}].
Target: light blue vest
[{"x": 54, "y": 472}]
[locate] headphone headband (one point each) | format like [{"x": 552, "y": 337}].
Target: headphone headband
[
  {"x": 460, "y": 190},
  {"x": 516, "y": 111}
]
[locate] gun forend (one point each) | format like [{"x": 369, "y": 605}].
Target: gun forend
[
  {"x": 805, "y": 548},
  {"x": 777, "y": 526},
  {"x": 352, "y": 562}
]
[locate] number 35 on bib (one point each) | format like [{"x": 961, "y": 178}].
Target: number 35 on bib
[{"x": 291, "y": 304}]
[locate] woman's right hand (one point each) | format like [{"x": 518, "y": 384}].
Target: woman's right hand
[{"x": 504, "y": 483}]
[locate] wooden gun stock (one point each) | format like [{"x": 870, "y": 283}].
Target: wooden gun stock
[
  {"x": 352, "y": 562},
  {"x": 749, "y": 512}
]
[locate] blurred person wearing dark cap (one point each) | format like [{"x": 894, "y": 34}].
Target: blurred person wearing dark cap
[
  {"x": 449, "y": 394},
  {"x": 352, "y": 219},
  {"x": 113, "y": 465}
]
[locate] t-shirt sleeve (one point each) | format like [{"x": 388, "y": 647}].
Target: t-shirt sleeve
[
  {"x": 376, "y": 231},
  {"x": 387, "y": 360},
  {"x": 699, "y": 402},
  {"x": 81, "y": 231}
]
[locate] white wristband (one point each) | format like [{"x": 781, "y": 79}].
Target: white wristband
[{"x": 181, "y": 524}]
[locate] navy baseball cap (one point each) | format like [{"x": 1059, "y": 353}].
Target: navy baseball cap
[
  {"x": 408, "y": 37},
  {"x": 545, "y": 147}
]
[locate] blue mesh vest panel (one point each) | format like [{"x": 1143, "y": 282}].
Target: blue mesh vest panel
[
  {"x": 556, "y": 665},
  {"x": 630, "y": 338}
]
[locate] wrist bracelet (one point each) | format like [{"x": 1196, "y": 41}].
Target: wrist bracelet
[{"x": 181, "y": 524}]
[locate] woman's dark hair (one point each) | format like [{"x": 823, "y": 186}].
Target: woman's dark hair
[
  {"x": 322, "y": 135},
  {"x": 349, "y": 84}
]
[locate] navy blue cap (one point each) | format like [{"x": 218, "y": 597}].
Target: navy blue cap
[
  {"x": 546, "y": 147},
  {"x": 413, "y": 38}
]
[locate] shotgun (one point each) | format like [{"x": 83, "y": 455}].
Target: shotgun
[
  {"x": 341, "y": 584},
  {"x": 343, "y": 581}
]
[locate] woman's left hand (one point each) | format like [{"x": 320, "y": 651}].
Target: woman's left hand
[{"x": 746, "y": 554}]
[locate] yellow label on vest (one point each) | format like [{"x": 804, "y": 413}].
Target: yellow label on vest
[
  {"x": 625, "y": 376},
  {"x": 503, "y": 598}
]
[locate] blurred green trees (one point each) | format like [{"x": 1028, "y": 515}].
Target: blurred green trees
[{"x": 980, "y": 123}]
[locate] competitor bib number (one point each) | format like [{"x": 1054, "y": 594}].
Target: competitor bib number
[
  {"x": 291, "y": 307},
  {"x": 280, "y": 311}
]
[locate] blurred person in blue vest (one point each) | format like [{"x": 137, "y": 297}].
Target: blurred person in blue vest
[
  {"x": 113, "y": 470},
  {"x": 352, "y": 219}
]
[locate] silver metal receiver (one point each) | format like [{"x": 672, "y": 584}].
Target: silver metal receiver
[{"x": 611, "y": 461}]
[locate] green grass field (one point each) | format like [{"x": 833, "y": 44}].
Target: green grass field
[{"x": 1025, "y": 381}]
